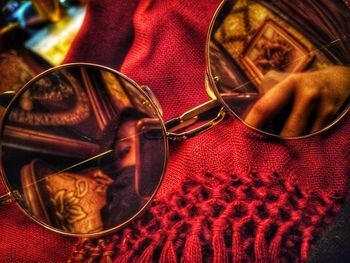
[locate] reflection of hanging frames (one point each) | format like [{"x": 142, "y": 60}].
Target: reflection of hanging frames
[
  {"x": 62, "y": 168},
  {"x": 262, "y": 57}
]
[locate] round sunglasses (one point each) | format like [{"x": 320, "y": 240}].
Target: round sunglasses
[{"x": 84, "y": 148}]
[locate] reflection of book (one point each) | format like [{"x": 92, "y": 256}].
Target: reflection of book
[
  {"x": 67, "y": 201},
  {"x": 53, "y": 144},
  {"x": 273, "y": 48},
  {"x": 102, "y": 108},
  {"x": 229, "y": 75},
  {"x": 116, "y": 89},
  {"x": 65, "y": 110}
]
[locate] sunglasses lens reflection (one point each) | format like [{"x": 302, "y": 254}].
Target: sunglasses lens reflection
[
  {"x": 83, "y": 149},
  {"x": 272, "y": 74}
]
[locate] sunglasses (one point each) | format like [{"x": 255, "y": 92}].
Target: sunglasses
[{"x": 84, "y": 148}]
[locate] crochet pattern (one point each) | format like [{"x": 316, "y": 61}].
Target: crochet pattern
[{"x": 227, "y": 217}]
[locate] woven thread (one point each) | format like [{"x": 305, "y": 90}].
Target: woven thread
[{"x": 222, "y": 218}]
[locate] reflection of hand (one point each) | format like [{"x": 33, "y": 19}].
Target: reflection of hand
[{"x": 315, "y": 98}]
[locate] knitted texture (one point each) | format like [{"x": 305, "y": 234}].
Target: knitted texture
[
  {"x": 21, "y": 240},
  {"x": 239, "y": 216},
  {"x": 228, "y": 194}
]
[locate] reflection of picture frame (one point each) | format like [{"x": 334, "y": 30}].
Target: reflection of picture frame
[
  {"x": 116, "y": 90},
  {"x": 273, "y": 48}
]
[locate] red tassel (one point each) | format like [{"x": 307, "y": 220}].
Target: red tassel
[
  {"x": 236, "y": 245},
  {"x": 192, "y": 251},
  {"x": 147, "y": 255},
  {"x": 220, "y": 253},
  {"x": 124, "y": 258},
  {"x": 305, "y": 245},
  {"x": 218, "y": 243},
  {"x": 260, "y": 245},
  {"x": 106, "y": 259},
  {"x": 275, "y": 246},
  {"x": 168, "y": 253},
  {"x": 108, "y": 253},
  {"x": 95, "y": 254}
]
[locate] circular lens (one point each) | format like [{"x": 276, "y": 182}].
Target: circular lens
[
  {"x": 83, "y": 149},
  {"x": 279, "y": 71}
]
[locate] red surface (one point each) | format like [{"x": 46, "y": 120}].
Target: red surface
[{"x": 166, "y": 51}]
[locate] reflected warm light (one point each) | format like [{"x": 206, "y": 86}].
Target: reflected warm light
[{"x": 53, "y": 42}]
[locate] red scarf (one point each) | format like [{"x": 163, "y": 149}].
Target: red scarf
[{"x": 229, "y": 193}]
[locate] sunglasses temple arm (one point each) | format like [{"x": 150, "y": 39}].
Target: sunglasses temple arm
[{"x": 211, "y": 111}]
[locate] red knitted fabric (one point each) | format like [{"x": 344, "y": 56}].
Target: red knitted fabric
[
  {"x": 22, "y": 240},
  {"x": 229, "y": 194},
  {"x": 240, "y": 215}
]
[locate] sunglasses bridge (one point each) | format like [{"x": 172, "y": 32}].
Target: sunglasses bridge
[
  {"x": 177, "y": 129},
  {"x": 211, "y": 111}
]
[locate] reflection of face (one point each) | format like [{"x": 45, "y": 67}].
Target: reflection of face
[{"x": 125, "y": 150}]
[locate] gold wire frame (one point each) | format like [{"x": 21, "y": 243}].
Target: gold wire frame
[
  {"x": 213, "y": 92},
  {"x": 13, "y": 194},
  {"x": 212, "y": 88}
]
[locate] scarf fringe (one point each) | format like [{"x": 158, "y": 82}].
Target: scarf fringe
[
  {"x": 275, "y": 246},
  {"x": 168, "y": 253},
  {"x": 193, "y": 250},
  {"x": 108, "y": 252},
  {"x": 124, "y": 258},
  {"x": 147, "y": 255},
  {"x": 220, "y": 253},
  {"x": 305, "y": 246},
  {"x": 106, "y": 259},
  {"x": 273, "y": 226},
  {"x": 218, "y": 242},
  {"x": 260, "y": 245}
]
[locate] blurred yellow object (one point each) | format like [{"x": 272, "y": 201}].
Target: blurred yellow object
[
  {"x": 53, "y": 42},
  {"x": 48, "y": 9}
]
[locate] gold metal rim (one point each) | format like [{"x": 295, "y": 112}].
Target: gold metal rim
[
  {"x": 213, "y": 87},
  {"x": 15, "y": 197}
]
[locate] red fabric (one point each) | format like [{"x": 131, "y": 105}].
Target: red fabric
[
  {"x": 162, "y": 44},
  {"x": 201, "y": 211},
  {"x": 167, "y": 53},
  {"x": 22, "y": 240},
  {"x": 219, "y": 217}
]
